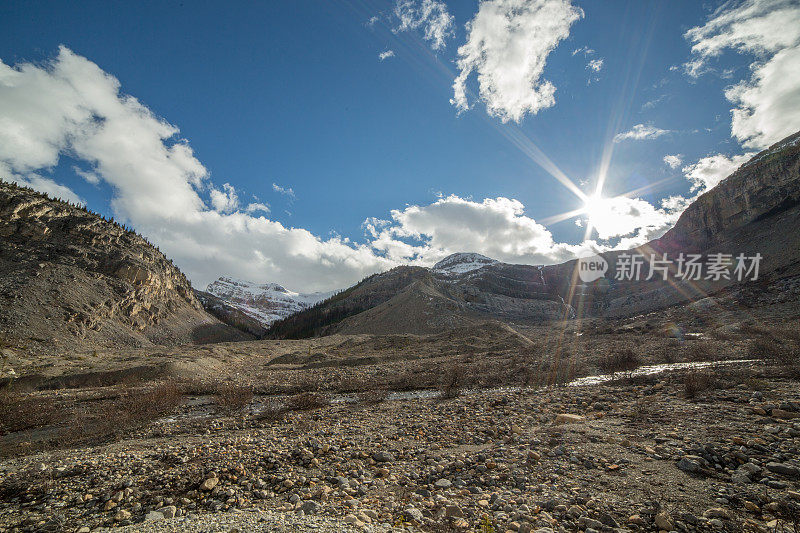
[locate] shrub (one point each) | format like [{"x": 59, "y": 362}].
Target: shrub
[
  {"x": 136, "y": 407},
  {"x": 373, "y": 396},
  {"x": 450, "y": 387},
  {"x": 231, "y": 397},
  {"x": 20, "y": 412},
  {"x": 305, "y": 401},
  {"x": 271, "y": 411},
  {"x": 772, "y": 349},
  {"x": 699, "y": 351},
  {"x": 696, "y": 381},
  {"x": 624, "y": 360}
]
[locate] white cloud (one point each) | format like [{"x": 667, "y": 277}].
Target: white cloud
[
  {"x": 286, "y": 191},
  {"x": 585, "y": 50},
  {"x": 90, "y": 177},
  {"x": 709, "y": 171},
  {"x": 753, "y": 26},
  {"x": 673, "y": 161},
  {"x": 386, "y": 55},
  {"x": 71, "y": 107},
  {"x": 430, "y": 15},
  {"x": 225, "y": 200},
  {"x": 621, "y": 216},
  {"x": 768, "y": 103},
  {"x": 595, "y": 65},
  {"x": 640, "y": 132},
  {"x": 496, "y": 227},
  {"x": 256, "y": 207},
  {"x": 507, "y": 47}
]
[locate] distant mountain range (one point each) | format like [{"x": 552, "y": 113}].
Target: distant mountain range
[
  {"x": 71, "y": 280},
  {"x": 754, "y": 210},
  {"x": 254, "y": 306}
]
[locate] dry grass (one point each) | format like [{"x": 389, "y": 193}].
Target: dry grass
[
  {"x": 698, "y": 381},
  {"x": 20, "y": 412},
  {"x": 230, "y": 397},
  {"x": 306, "y": 401},
  {"x": 621, "y": 360},
  {"x": 373, "y": 396}
]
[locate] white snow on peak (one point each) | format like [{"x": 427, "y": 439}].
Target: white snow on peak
[
  {"x": 461, "y": 263},
  {"x": 266, "y": 302}
]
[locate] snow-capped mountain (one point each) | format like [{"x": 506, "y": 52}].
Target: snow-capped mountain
[
  {"x": 461, "y": 263},
  {"x": 265, "y": 302}
]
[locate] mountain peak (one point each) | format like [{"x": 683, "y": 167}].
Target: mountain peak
[
  {"x": 265, "y": 302},
  {"x": 462, "y": 262}
]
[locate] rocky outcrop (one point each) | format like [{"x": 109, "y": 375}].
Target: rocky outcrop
[
  {"x": 764, "y": 186},
  {"x": 71, "y": 278}
]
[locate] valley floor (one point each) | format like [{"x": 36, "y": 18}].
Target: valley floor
[{"x": 686, "y": 450}]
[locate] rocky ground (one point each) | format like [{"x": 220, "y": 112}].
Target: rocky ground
[{"x": 696, "y": 450}]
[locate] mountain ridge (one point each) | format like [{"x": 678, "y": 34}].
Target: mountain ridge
[
  {"x": 736, "y": 216},
  {"x": 70, "y": 279}
]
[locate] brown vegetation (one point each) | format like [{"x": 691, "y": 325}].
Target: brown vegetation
[
  {"x": 20, "y": 412},
  {"x": 231, "y": 397},
  {"x": 306, "y": 401},
  {"x": 698, "y": 381},
  {"x": 620, "y": 360}
]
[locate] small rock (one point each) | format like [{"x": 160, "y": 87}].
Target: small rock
[
  {"x": 209, "y": 483},
  {"x": 567, "y": 418},
  {"x": 690, "y": 463},
  {"x": 168, "y": 511},
  {"x": 382, "y": 456},
  {"x": 783, "y": 469},
  {"x": 664, "y": 521},
  {"x": 310, "y": 507},
  {"x": 412, "y": 513},
  {"x": 784, "y": 415},
  {"x": 442, "y": 484},
  {"x": 716, "y": 512},
  {"x": 453, "y": 511},
  {"x": 636, "y": 520}
]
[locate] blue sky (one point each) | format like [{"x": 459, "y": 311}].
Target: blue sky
[{"x": 291, "y": 105}]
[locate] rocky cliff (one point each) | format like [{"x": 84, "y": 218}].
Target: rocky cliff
[
  {"x": 71, "y": 280},
  {"x": 764, "y": 186}
]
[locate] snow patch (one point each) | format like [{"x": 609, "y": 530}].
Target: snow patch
[
  {"x": 265, "y": 302},
  {"x": 461, "y": 263}
]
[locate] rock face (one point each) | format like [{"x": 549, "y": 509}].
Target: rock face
[
  {"x": 764, "y": 186},
  {"x": 70, "y": 279},
  {"x": 264, "y": 302}
]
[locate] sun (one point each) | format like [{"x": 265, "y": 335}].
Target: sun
[
  {"x": 598, "y": 210},
  {"x": 610, "y": 216}
]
